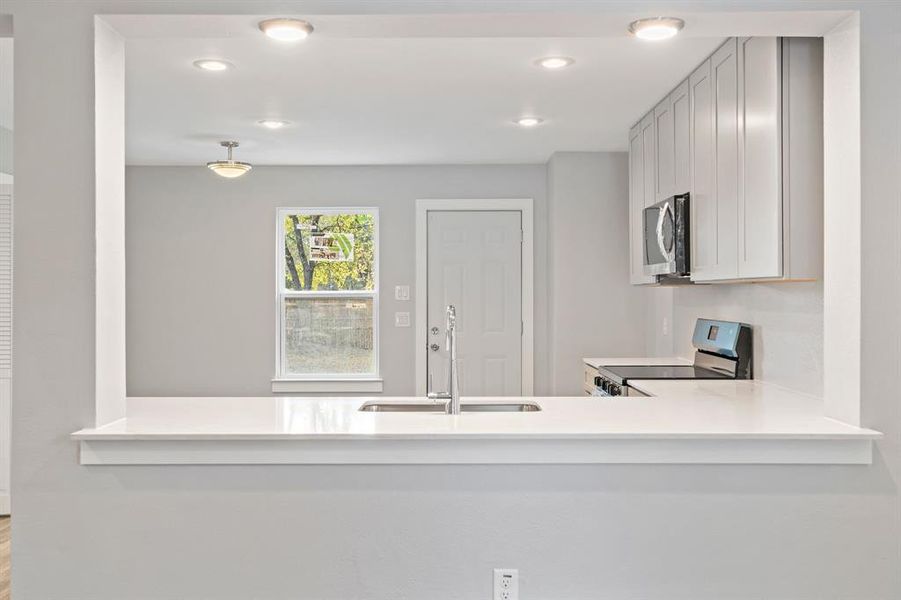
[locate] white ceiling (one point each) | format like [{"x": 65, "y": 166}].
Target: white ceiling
[{"x": 403, "y": 90}]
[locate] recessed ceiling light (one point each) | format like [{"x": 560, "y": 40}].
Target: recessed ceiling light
[
  {"x": 554, "y": 62},
  {"x": 273, "y": 123},
  {"x": 286, "y": 30},
  {"x": 656, "y": 28},
  {"x": 213, "y": 64},
  {"x": 229, "y": 168},
  {"x": 528, "y": 121}
]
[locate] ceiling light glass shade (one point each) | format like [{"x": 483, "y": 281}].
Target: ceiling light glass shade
[
  {"x": 286, "y": 30},
  {"x": 229, "y": 168},
  {"x": 213, "y": 64},
  {"x": 273, "y": 123},
  {"x": 528, "y": 121},
  {"x": 554, "y": 62},
  {"x": 656, "y": 28}
]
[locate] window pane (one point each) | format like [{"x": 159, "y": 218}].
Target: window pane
[
  {"x": 329, "y": 335},
  {"x": 329, "y": 252}
]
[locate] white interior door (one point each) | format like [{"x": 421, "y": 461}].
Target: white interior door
[{"x": 475, "y": 263}]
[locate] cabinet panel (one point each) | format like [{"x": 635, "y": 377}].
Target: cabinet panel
[
  {"x": 636, "y": 207},
  {"x": 664, "y": 149},
  {"x": 724, "y": 73},
  {"x": 649, "y": 145},
  {"x": 703, "y": 223},
  {"x": 680, "y": 107},
  {"x": 760, "y": 158}
]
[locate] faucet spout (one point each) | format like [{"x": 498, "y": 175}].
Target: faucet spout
[{"x": 453, "y": 383}]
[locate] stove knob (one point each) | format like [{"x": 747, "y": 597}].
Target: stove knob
[
  {"x": 614, "y": 390},
  {"x": 605, "y": 385}
]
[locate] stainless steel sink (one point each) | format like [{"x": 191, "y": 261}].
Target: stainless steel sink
[{"x": 438, "y": 407}]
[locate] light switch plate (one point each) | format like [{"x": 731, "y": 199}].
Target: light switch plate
[
  {"x": 401, "y": 319},
  {"x": 401, "y": 292}
]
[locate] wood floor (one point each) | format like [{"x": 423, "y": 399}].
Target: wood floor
[{"x": 4, "y": 558}]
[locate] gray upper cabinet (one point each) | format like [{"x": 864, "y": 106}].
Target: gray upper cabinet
[
  {"x": 759, "y": 159},
  {"x": 680, "y": 105},
  {"x": 743, "y": 135},
  {"x": 649, "y": 150},
  {"x": 714, "y": 166},
  {"x": 703, "y": 206},
  {"x": 638, "y": 199},
  {"x": 664, "y": 149},
  {"x": 671, "y": 120}
]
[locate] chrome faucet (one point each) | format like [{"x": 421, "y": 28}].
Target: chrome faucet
[{"x": 452, "y": 395}]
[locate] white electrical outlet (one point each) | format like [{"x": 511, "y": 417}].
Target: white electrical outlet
[
  {"x": 506, "y": 584},
  {"x": 401, "y": 319},
  {"x": 401, "y": 292},
  {"x": 665, "y": 326}
]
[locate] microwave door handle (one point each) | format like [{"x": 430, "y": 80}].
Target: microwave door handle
[{"x": 660, "y": 242}]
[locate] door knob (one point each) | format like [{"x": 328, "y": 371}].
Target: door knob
[{"x": 434, "y": 347}]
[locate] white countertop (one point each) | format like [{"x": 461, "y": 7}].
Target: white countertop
[
  {"x": 636, "y": 362},
  {"x": 727, "y": 420}
]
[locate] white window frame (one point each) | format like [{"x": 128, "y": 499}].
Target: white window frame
[{"x": 285, "y": 382}]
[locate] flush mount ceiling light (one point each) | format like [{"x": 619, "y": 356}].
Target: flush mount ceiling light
[
  {"x": 529, "y": 121},
  {"x": 229, "y": 168},
  {"x": 656, "y": 28},
  {"x": 286, "y": 30},
  {"x": 553, "y": 63},
  {"x": 273, "y": 123},
  {"x": 213, "y": 64}
]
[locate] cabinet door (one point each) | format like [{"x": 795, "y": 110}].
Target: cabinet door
[
  {"x": 703, "y": 207},
  {"x": 663, "y": 151},
  {"x": 680, "y": 108},
  {"x": 760, "y": 158},
  {"x": 636, "y": 207},
  {"x": 649, "y": 151},
  {"x": 716, "y": 228}
]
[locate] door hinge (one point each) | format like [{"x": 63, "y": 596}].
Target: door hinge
[
  {"x": 522, "y": 328},
  {"x": 522, "y": 236}
]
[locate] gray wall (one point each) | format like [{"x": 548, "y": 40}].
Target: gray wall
[
  {"x": 788, "y": 326},
  {"x": 593, "y": 309},
  {"x": 200, "y": 270},
  {"x": 655, "y": 532}
]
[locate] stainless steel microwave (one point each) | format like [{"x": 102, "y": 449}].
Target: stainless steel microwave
[{"x": 666, "y": 241}]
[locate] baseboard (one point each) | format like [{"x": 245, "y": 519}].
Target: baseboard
[{"x": 4, "y": 505}]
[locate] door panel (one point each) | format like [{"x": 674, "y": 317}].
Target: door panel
[
  {"x": 475, "y": 263},
  {"x": 664, "y": 156},
  {"x": 649, "y": 153},
  {"x": 636, "y": 208},
  {"x": 679, "y": 101},
  {"x": 760, "y": 159}
]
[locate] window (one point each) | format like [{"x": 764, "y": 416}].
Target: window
[{"x": 327, "y": 281}]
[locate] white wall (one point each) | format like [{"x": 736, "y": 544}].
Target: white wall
[
  {"x": 201, "y": 258},
  {"x": 593, "y": 309},
  {"x": 842, "y": 217},
  {"x": 278, "y": 533},
  {"x": 787, "y": 320}
]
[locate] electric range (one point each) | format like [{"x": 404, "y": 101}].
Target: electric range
[{"x": 722, "y": 351}]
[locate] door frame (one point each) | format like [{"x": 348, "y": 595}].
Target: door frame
[{"x": 524, "y": 207}]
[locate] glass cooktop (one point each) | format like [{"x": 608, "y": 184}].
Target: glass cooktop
[{"x": 664, "y": 372}]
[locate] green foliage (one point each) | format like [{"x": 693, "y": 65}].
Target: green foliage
[{"x": 357, "y": 274}]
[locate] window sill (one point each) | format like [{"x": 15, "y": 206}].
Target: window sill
[{"x": 313, "y": 386}]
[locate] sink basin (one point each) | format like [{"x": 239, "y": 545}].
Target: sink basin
[{"x": 438, "y": 407}]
